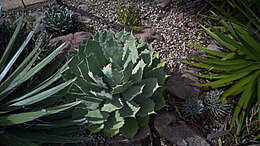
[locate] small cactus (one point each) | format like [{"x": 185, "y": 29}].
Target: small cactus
[
  {"x": 193, "y": 107},
  {"x": 215, "y": 108}
]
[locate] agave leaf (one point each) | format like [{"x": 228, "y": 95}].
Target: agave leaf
[
  {"x": 121, "y": 88},
  {"x": 132, "y": 53},
  {"x": 98, "y": 80},
  {"x": 103, "y": 94},
  {"x": 130, "y": 128},
  {"x": 137, "y": 72},
  {"x": 14, "y": 119},
  {"x": 112, "y": 105},
  {"x": 113, "y": 124},
  {"x": 112, "y": 76},
  {"x": 95, "y": 127},
  {"x": 147, "y": 107},
  {"x": 132, "y": 92},
  {"x": 158, "y": 73},
  {"x": 96, "y": 117},
  {"x": 143, "y": 121},
  {"x": 158, "y": 99},
  {"x": 147, "y": 56},
  {"x": 86, "y": 86},
  {"x": 91, "y": 103},
  {"x": 129, "y": 109},
  {"x": 150, "y": 86}
]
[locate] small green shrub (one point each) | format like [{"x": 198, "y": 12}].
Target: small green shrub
[
  {"x": 193, "y": 107},
  {"x": 119, "y": 79},
  {"x": 128, "y": 14},
  {"x": 213, "y": 106},
  {"x": 59, "y": 20}
]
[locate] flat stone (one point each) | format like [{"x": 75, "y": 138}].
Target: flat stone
[
  {"x": 163, "y": 3},
  {"x": 180, "y": 85},
  {"x": 73, "y": 39},
  {"x": 13, "y": 4},
  {"x": 178, "y": 132}
]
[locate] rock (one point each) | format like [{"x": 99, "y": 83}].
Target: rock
[
  {"x": 135, "y": 141},
  {"x": 180, "y": 85},
  {"x": 163, "y": 3},
  {"x": 214, "y": 47},
  {"x": 148, "y": 35},
  {"x": 73, "y": 39},
  {"x": 178, "y": 132},
  {"x": 83, "y": 7},
  {"x": 84, "y": 19}
]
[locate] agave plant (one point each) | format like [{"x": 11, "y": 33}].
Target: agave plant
[
  {"x": 119, "y": 79},
  {"x": 33, "y": 116},
  {"x": 214, "y": 106},
  {"x": 59, "y": 19},
  {"x": 238, "y": 68},
  {"x": 193, "y": 107}
]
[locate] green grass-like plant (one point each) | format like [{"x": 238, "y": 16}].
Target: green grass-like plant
[
  {"x": 128, "y": 14},
  {"x": 119, "y": 79},
  {"x": 238, "y": 68},
  {"x": 31, "y": 116}
]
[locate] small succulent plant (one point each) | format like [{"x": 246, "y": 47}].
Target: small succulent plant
[
  {"x": 128, "y": 15},
  {"x": 119, "y": 79},
  {"x": 59, "y": 19},
  {"x": 215, "y": 107},
  {"x": 193, "y": 107}
]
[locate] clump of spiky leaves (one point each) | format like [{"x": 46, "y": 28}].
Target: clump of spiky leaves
[
  {"x": 119, "y": 78},
  {"x": 215, "y": 107},
  {"x": 59, "y": 19},
  {"x": 128, "y": 14},
  {"x": 31, "y": 116},
  {"x": 193, "y": 107}
]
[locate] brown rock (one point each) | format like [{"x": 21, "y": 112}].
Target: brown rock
[
  {"x": 180, "y": 85},
  {"x": 148, "y": 35},
  {"x": 178, "y": 132},
  {"x": 73, "y": 39}
]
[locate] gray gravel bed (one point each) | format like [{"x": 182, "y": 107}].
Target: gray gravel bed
[{"x": 176, "y": 28}]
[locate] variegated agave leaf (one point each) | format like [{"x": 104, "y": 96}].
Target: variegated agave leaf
[{"x": 120, "y": 79}]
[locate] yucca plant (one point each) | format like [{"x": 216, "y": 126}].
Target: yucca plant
[
  {"x": 238, "y": 68},
  {"x": 33, "y": 116},
  {"x": 119, "y": 79},
  {"x": 59, "y": 20}
]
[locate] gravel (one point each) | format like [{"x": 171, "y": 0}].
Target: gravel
[{"x": 175, "y": 25}]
